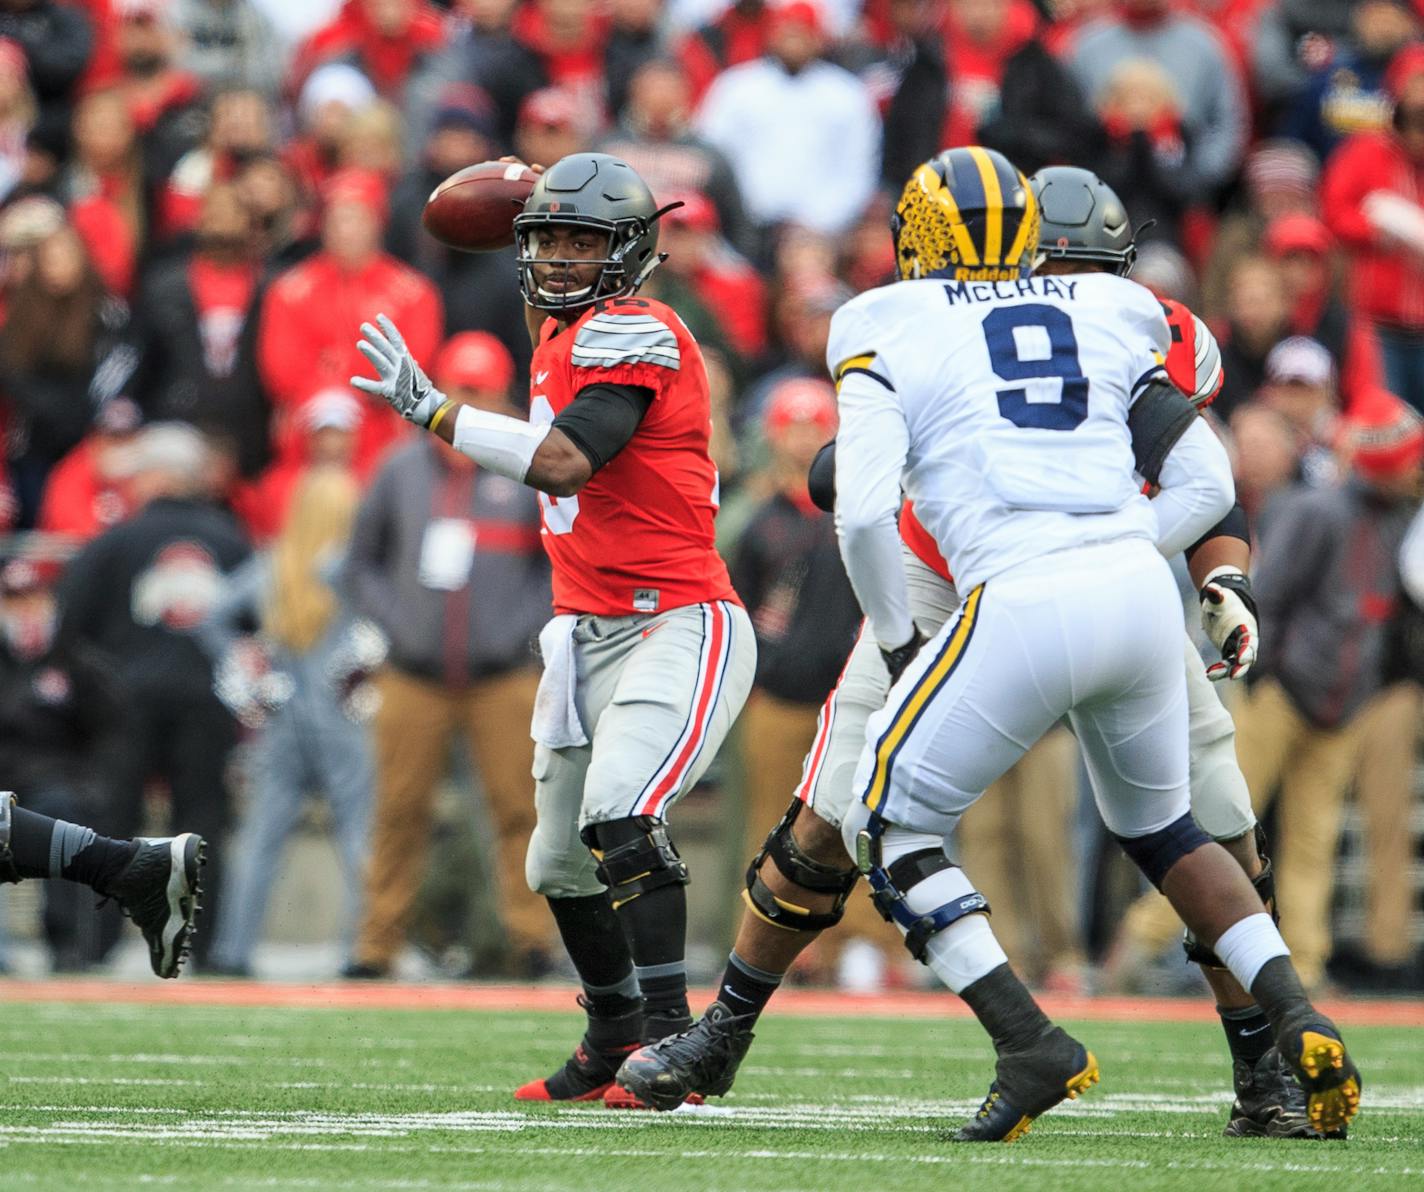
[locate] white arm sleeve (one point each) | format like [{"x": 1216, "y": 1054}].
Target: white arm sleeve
[
  {"x": 1197, "y": 490},
  {"x": 497, "y": 442},
  {"x": 871, "y": 445},
  {"x": 1411, "y": 559}
]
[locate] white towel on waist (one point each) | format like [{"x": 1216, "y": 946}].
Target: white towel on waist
[{"x": 556, "y": 723}]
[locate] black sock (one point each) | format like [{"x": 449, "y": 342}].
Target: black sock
[
  {"x": 655, "y": 924},
  {"x": 44, "y": 847},
  {"x": 1279, "y": 993},
  {"x": 1006, "y": 1009},
  {"x": 746, "y": 989},
  {"x": 1248, "y": 1033},
  {"x": 596, "y": 944}
]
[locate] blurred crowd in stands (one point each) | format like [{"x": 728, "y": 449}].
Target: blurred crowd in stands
[{"x": 209, "y": 539}]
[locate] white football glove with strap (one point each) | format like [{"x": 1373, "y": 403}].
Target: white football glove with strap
[
  {"x": 1229, "y": 618},
  {"x": 402, "y": 382}
]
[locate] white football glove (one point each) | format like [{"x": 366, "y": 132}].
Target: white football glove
[
  {"x": 1229, "y": 618},
  {"x": 402, "y": 382}
]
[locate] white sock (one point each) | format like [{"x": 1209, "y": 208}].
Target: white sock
[{"x": 1247, "y": 945}]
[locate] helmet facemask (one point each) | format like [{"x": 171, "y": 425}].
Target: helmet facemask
[{"x": 619, "y": 274}]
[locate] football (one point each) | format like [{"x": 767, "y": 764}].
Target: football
[{"x": 474, "y": 208}]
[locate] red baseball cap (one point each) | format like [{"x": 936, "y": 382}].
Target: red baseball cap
[
  {"x": 1298, "y": 233},
  {"x": 801, "y": 400},
  {"x": 476, "y": 359},
  {"x": 696, "y": 212},
  {"x": 799, "y": 12},
  {"x": 353, "y": 185}
]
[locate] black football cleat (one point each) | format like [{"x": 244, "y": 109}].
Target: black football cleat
[
  {"x": 1029, "y": 1083},
  {"x": 701, "y": 1061},
  {"x": 1331, "y": 1082},
  {"x": 1269, "y": 1101},
  {"x": 161, "y": 890},
  {"x": 588, "y": 1073}
]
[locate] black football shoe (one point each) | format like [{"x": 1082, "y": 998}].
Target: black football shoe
[
  {"x": 161, "y": 890},
  {"x": 1316, "y": 1054},
  {"x": 1270, "y": 1102},
  {"x": 1029, "y": 1083},
  {"x": 588, "y": 1073},
  {"x": 701, "y": 1060}
]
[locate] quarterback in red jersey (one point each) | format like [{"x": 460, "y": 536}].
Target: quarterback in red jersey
[{"x": 650, "y": 655}]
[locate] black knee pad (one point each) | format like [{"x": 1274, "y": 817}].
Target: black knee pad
[
  {"x": 1158, "y": 851},
  {"x": 635, "y": 856},
  {"x": 889, "y": 885},
  {"x": 803, "y": 870},
  {"x": 8, "y": 872}
]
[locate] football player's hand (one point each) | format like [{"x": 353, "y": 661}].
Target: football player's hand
[
  {"x": 898, "y": 659},
  {"x": 1229, "y": 618},
  {"x": 533, "y": 165},
  {"x": 400, "y": 380}
]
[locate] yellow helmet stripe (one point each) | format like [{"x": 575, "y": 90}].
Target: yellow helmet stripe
[
  {"x": 914, "y": 703},
  {"x": 993, "y": 206},
  {"x": 931, "y": 183},
  {"x": 1026, "y": 223}
]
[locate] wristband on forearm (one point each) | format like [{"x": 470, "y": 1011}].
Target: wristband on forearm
[{"x": 439, "y": 416}]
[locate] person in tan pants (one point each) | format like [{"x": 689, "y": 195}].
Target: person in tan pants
[
  {"x": 1384, "y": 790},
  {"x": 1327, "y": 583},
  {"x": 413, "y": 730},
  {"x": 446, "y": 559}
]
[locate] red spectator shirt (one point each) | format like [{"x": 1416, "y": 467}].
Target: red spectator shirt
[
  {"x": 638, "y": 538},
  {"x": 306, "y": 341}
]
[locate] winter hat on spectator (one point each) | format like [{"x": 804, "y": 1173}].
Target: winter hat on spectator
[
  {"x": 353, "y": 185},
  {"x": 1297, "y": 233},
  {"x": 330, "y": 409},
  {"x": 801, "y": 400},
  {"x": 552, "y": 107},
  {"x": 1164, "y": 271},
  {"x": 28, "y": 221},
  {"x": 1383, "y": 436},
  {"x": 1300, "y": 360},
  {"x": 476, "y": 359},
  {"x": 463, "y": 105},
  {"x": 1282, "y": 165},
  {"x": 336, "y": 82}
]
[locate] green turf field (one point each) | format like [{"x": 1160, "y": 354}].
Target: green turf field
[{"x": 205, "y": 1097}]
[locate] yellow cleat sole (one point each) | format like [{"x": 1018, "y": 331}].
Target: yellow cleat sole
[
  {"x": 1075, "y": 1087},
  {"x": 1332, "y": 1096}
]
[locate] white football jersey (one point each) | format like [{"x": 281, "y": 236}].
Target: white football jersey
[{"x": 1015, "y": 396}]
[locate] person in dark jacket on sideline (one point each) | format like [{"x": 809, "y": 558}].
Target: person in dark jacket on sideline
[
  {"x": 787, "y": 570},
  {"x": 136, "y": 594}
]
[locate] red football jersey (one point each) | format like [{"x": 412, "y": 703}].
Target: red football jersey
[
  {"x": 638, "y": 538},
  {"x": 921, "y": 542},
  {"x": 1193, "y": 357}
]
